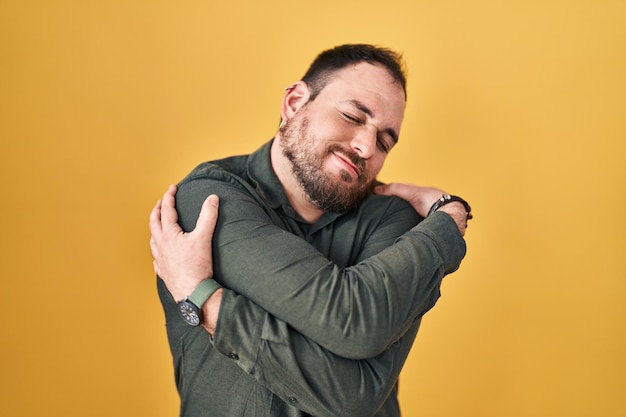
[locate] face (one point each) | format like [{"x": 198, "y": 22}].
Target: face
[{"x": 338, "y": 142}]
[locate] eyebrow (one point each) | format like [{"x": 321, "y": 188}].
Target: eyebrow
[{"x": 362, "y": 107}]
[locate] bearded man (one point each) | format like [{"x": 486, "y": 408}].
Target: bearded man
[{"x": 305, "y": 297}]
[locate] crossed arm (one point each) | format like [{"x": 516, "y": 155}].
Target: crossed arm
[{"x": 183, "y": 259}]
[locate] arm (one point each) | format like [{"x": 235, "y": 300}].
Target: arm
[
  {"x": 297, "y": 369},
  {"x": 300, "y": 371},
  {"x": 291, "y": 366},
  {"x": 379, "y": 296}
]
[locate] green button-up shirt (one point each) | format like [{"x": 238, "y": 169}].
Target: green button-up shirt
[{"x": 316, "y": 319}]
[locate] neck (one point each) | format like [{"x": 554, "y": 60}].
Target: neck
[{"x": 294, "y": 192}]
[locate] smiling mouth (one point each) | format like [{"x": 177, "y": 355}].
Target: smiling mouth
[{"x": 350, "y": 166}]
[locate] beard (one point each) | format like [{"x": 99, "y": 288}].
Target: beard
[{"x": 327, "y": 192}]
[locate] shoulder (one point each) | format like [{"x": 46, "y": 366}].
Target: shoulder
[
  {"x": 222, "y": 177},
  {"x": 376, "y": 224},
  {"x": 381, "y": 209},
  {"x": 232, "y": 168},
  {"x": 226, "y": 178}
]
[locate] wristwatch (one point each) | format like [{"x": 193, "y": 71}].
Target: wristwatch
[
  {"x": 446, "y": 199},
  {"x": 190, "y": 308}
]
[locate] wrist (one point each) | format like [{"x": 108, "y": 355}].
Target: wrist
[
  {"x": 192, "y": 306},
  {"x": 458, "y": 214},
  {"x": 211, "y": 310},
  {"x": 455, "y": 207},
  {"x": 446, "y": 199}
]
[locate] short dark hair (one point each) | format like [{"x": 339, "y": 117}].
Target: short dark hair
[{"x": 332, "y": 60}]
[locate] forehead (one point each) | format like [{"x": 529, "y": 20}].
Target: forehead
[{"x": 370, "y": 84}]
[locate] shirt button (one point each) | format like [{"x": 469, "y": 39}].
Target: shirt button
[
  {"x": 293, "y": 400},
  {"x": 233, "y": 356}
]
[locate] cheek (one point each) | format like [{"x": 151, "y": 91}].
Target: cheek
[
  {"x": 375, "y": 164},
  {"x": 329, "y": 127}
]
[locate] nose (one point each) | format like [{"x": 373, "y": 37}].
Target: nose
[{"x": 364, "y": 142}]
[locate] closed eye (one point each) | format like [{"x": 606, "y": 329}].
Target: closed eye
[
  {"x": 352, "y": 118},
  {"x": 383, "y": 145},
  {"x": 381, "y": 142}
]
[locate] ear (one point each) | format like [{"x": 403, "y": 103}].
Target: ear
[{"x": 295, "y": 97}]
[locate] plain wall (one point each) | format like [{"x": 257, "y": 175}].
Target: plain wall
[{"x": 518, "y": 106}]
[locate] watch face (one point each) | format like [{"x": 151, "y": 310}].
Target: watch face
[{"x": 189, "y": 312}]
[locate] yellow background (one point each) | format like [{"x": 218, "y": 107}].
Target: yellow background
[{"x": 519, "y": 106}]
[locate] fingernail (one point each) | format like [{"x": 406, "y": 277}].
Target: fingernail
[{"x": 214, "y": 201}]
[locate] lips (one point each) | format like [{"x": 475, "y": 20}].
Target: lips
[{"x": 350, "y": 166}]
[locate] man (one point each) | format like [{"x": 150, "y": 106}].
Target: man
[{"x": 324, "y": 282}]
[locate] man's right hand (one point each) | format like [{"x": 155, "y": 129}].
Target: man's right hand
[{"x": 182, "y": 259}]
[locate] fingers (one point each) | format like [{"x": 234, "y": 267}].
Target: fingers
[
  {"x": 381, "y": 190},
  {"x": 154, "y": 248},
  {"x": 207, "y": 218},
  {"x": 169, "y": 216},
  {"x": 155, "y": 221},
  {"x": 404, "y": 191},
  {"x": 155, "y": 231},
  {"x": 421, "y": 198}
]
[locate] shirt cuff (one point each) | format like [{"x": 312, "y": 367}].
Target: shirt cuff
[
  {"x": 442, "y": 229},
  {"x": 238, "y": 331}
]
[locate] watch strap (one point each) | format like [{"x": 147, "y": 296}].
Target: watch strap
[
  {"x": 446, "y": 199},
  {"x": 203, "y": 292}
]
